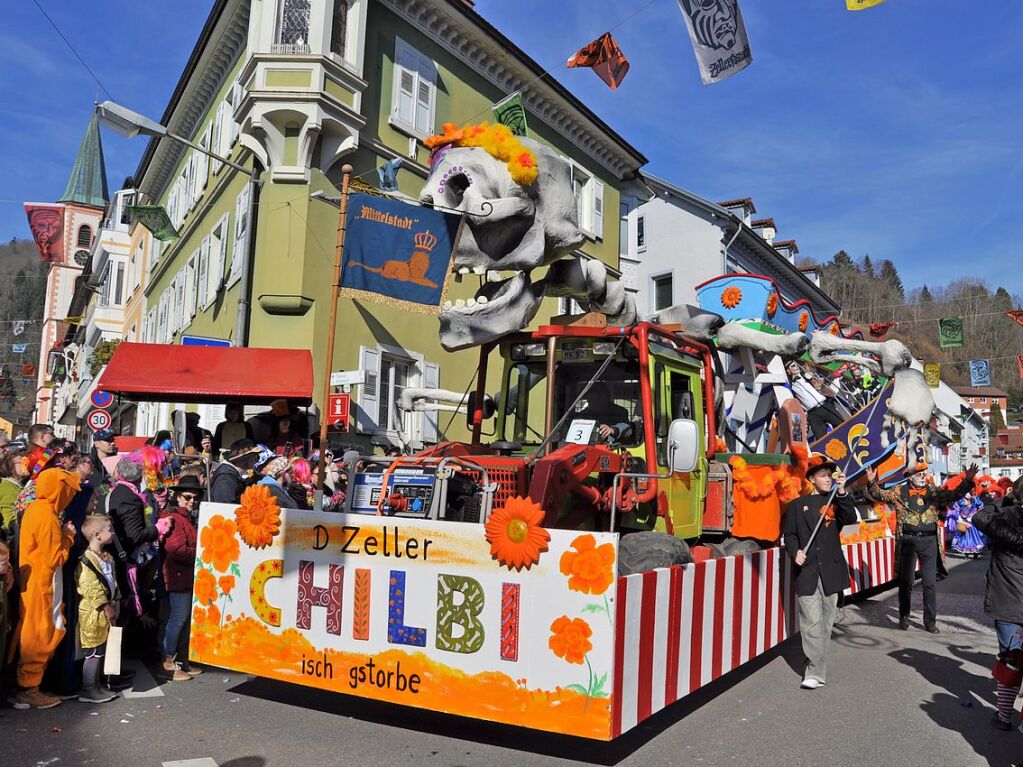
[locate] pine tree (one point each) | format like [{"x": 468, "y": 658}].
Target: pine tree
[
  {"x": 925, "y": 296},
  {"x": 844, "y": 259},
  {"x": 868, "y": 266},
  {"x": 890, "y": 276}
]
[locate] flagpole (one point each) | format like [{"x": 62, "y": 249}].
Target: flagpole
[{"x": 346, "y": 177}]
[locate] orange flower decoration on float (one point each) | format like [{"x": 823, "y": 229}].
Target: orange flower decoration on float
[
  {"x": 515, "y": 534},
  {"x": 730, "y": 297},
  {"x": 570, "y": 639},
  {"x": 259, "y": 517},
  {"x": 772, "y": 304},
  {"x": 589, "y": 567},
  {"x": 834, "y": 329},
  {"x": 835, "y": 450},
  {"x": 205, "y": 588},
  {"x": 226, "y": 583},
  {"x": 804, "y": 320},
  {"x": 219, "y": 544}
]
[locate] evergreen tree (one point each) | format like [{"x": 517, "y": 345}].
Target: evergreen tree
[
  {"x": 890, "y": 276},
  {"x": 868, "y": 266},
  {"x": 1002, "y": 301},
  {"x": 844, "y": 259},
  {"x": 925, "y": 296}
]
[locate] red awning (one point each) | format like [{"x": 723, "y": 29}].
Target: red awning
[{"x": 210, "y": 374}]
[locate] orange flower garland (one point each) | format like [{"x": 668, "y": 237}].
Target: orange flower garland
[
  {"x": 570, "y": 639},
  {"x": 496, "y": 140},
  {"x": 219, "y": 544},
  {"x": 515, "y": 534},
  {"x": 772, "y": 304},
  {"x": 730, "y": 297},
  {"x": 804, "y": 320},
  {"x": 259, "y": 517},
  {"x": 589, "y": 567},
  {"x": 835, "y": 450},
  {"x": 780, "y": 482}
]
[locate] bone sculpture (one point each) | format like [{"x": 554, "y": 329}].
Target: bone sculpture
[
  {"x": 911, "y": 404},
  {"x": 514, "y": 227}
]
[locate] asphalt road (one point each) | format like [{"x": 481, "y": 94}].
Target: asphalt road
[{"x": 893, "y": 697}]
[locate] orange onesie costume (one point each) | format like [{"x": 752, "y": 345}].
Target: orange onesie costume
[{"x": 44, "y": 547}]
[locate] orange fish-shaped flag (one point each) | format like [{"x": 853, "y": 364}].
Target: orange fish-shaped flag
[
  {"x": 1016, "y": 315},
  {"x": 605, "y": 58}
]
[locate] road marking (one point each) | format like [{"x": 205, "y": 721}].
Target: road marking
[
  {"x": 143, "y": 686},
  {"x": 204, "y": 762}
]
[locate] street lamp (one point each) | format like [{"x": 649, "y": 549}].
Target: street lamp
[{"x": 130, "y": 124}]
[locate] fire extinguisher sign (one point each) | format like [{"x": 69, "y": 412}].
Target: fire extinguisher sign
[{"x": 338, "y": 410}]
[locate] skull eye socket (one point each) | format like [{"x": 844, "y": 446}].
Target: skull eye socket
[{"x": 457, "y": 184}]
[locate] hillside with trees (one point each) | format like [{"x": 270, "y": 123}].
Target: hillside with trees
[
  {"x": 873, "y": 292},
  {"x": 22, "y": 293}
]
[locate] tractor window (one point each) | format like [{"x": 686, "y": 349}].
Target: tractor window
[
  {"x": 613, "y": 401},
  {"x": 524, "y": 405}
]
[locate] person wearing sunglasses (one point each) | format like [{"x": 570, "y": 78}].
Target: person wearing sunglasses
[{"x": 178, "y": 555}]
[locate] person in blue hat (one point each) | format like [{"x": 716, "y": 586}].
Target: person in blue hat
[{"x": 103, "y": 447}]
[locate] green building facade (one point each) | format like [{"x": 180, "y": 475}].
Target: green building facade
[{"x": 293, "y": 90}]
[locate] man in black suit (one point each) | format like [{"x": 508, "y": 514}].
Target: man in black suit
[{"x": 820, "y": 568}]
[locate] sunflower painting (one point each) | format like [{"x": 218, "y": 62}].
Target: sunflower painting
[
  {"x": 772, "y": 304},
  {"x": 515, "y": 534},
  {"x": 804, "y": 320},
  {"x": 258, "y": 517},
  {"x": 730, "y": 297}
]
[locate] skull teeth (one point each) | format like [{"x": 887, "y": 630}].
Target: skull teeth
[
  {"x": 479, "y": 270},
  {"x": 463, "y": 270},
  {"x": 471, "y": 302},
  {"x": 482, "y": 300},
  {"x": 460, "y": 303},
  {"x": 493, "y": 276},
  {"x": 447, "y": 306}
]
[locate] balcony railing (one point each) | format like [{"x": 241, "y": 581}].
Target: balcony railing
[{"x": 289, "y": 49}]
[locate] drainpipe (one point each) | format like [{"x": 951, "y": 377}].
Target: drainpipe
[
  {"x": 241, "y": 323},
  {"x": 738, "y": 229}
]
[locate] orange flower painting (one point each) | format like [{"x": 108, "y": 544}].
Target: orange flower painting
[
  {"x": 730, "y": 297},
  {"x": 515, "y": 534},
  {"x": 835, "y": 450},
  {"x": 772, "y": 304},
  {"x": 804, "y": 320},
  {"x": 570, "y": 639},
  {"x": 219, "y": 544},
  {"x": 259, "y": 517},
  {"x": 226, "y": 583},
  {"x": 205, "y": 588},
  {"x": 590, "y": 567}
]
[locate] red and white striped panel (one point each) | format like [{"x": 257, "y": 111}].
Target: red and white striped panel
[
  {"x": 871, "y": 564},
  {"x": 680, "y": 628}
]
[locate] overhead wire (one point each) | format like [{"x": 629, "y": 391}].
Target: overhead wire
[{"x": 72, "y": 49}]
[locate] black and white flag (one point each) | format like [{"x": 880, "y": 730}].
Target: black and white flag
[{"x": 718, "y": 36}]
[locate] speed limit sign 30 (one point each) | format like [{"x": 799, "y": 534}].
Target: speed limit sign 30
[{"x": 98, "y": 419}]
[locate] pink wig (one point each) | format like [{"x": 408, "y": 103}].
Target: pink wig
[{"x": 302, "y": 470}]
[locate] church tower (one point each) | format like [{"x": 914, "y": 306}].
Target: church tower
[{"x": 85, "y": 200}]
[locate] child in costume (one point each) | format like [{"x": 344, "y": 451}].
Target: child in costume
[
  {"x": 43, "y": 547},
  {"x": 97, "y": 606},
  {"x": 964, "y": 537}
]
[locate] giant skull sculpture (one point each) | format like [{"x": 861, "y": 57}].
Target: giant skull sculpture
[{"x": 512, "y": 225}]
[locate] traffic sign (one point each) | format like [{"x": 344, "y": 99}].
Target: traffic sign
[
  {"x": 98, "y": 419},
  {"x": 101, "y": 399},
  {"x": 339, "y": 410},
  {"x": 347, "y": 377},
  {"x": 202, "y": 341}
]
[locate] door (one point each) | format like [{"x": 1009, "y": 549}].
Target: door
[{"x": 678, "y": 393}]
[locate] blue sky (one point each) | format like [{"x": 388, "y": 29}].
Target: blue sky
[{"x": 894, "y": 131}]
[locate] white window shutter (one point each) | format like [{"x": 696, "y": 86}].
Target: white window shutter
[
  {"x": 369, "y": 392},
  {"x": 203, "y": 163},
  {"x": 403, "y": 106},
  {"x": 235, "y": 98},
  {"x": 598, "y": 208},
  {"x": 190, "y": 267},
  {"x": 241, "y": 233},
  {"x": 203, "y": 271},
  {"x": 431, "y": 380},
  {"x": 216, "y": 137},
  {"x": 218, "y": 248}
]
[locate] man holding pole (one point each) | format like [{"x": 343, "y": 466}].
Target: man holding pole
[
  {"x": 918, "y": 536},
  {"x": 810, "y": 529}
]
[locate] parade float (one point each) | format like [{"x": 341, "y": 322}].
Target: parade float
[{"x": 552, "y": 576}]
